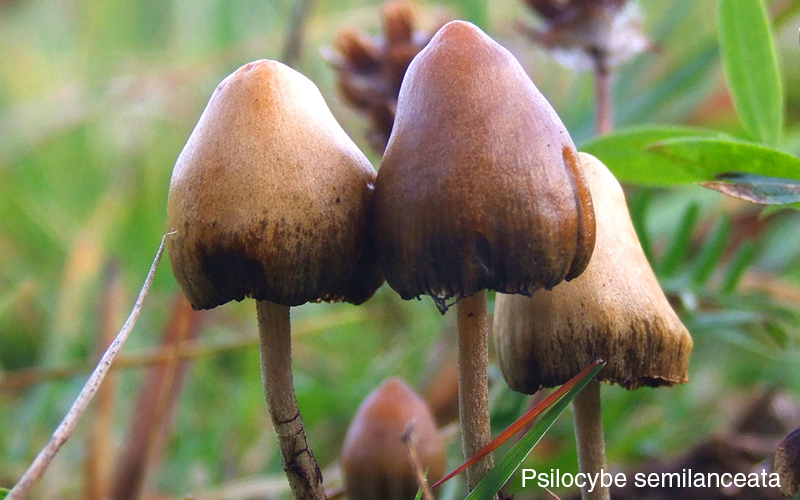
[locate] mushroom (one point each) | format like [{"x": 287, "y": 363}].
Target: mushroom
[
  {"x": 479, "y": 188},
  {"x": 787, "y": 464},
  {"x": 374, "y": 458},
  {"x": 268, "y": 199},
  {"x": 615, "y": 311}
]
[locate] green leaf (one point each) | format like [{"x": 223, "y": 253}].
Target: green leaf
[
  {"x": 751, "y": 67},
  {"x": 625, "y": 153},
  {"x": 707, "y": 158},
  {"x": 505, "y": 468},
  {"x": 757, "y": 188},
  {"x": 3, "y": 493}
]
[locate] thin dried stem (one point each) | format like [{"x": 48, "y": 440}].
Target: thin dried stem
[
  {"x": 62, "y": 433},
  {"x": 419, "y": 472},
  {"x": 603, "y": 100},
  {"x": 188, "y": 350}
]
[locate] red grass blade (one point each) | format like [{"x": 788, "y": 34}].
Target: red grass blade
[{"x": 519, "y": 424}]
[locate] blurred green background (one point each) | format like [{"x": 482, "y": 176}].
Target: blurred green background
[{"x": 97, "y": 98}]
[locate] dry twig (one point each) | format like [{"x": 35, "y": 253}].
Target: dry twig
[
  {"x": 419, "y": 472},
  {"x": 62, "y": 433}
]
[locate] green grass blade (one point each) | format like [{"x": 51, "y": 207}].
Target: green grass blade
[
  {"x": 679, "y": 247},
  {"x": 626, "y": 154},
  {"x": 509, "y": 464},
  {"x": 675, "y": 95},
  {"x": 711, "y": 251},
  {"x": 741, "y": 261},
  {"x": 3, "y": 493},
  {"x": 751, "y": 67},
  {"x": 419, "y": 490},
  {"x": 707, "y": 158}
]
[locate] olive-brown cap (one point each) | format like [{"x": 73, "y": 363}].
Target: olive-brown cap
[
  {"x": 787, "y": 464},
  {"x": 480, "y": 186},
  {"x": 374, "y": 459},
  {"x": 615, "y": 311},
  {"x": 269, "y": 197}
]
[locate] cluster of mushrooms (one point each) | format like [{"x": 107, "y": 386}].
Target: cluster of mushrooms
[{"x": 480, "y": 188}]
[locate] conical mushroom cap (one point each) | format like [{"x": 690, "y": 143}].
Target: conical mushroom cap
[
  {"x": 787, "y": 464},
  {"x": 374, "y": 459},
  {"x": 269, "y": 197},
  {"x": 480, "y": 185},
  {"x": 615, "y": 311}
]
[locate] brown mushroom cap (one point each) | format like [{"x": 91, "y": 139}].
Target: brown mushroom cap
[
  {"x": 480, "y": 186},
  {"x": 374, "y": 459},
  {"x": 615, "y": 311},
  {"x": 787, "y": 464},
  {"x": 269, "y": 197}
]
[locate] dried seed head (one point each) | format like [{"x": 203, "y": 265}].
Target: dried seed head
[
  {"x": 585, "y": 33},
  {"x": 480, "y": 186},
  {"x": 787, "y": 464},
  {"x": 269, "y": 197},
  {"x": 371, "y": 69},
  {"x": 374, "y": 459},
  {"x": 615, "y": 311}
]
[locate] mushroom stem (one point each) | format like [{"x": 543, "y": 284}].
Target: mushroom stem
[
  {"x": 590, "y": 441},
  {"x": 602, "y": 87},
  {"x": 305, "y": 477},
  {"x": 473, "y": 383}
]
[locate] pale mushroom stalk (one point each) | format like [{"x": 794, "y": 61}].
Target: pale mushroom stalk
[
  {"x": 302, "y": 471},
  {"x": 473, "y": 382},
  {"x": 589, "y": 439}
]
